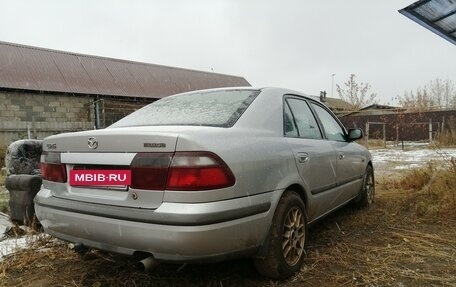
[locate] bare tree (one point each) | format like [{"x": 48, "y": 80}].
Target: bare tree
[
  {"x": 357, "y": 94},
  {"x": 438, "y": 94},
  {"x": 448, "y": 94},
  {"x": 418, "y": 101},
  {"x": 437, "y": 90}
]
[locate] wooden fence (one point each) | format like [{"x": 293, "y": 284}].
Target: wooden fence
[{"x": 404, "y": 126}]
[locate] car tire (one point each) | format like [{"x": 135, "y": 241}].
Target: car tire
[
  {"x": 366, "y": 195},
  {"x": 285, "y": 244}
]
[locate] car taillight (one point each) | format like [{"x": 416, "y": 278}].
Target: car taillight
[
  {"x": 180, "y": 171},
  {"x": 198, "y": 171},
  {"x": 51, "y": 167},
  {"x": 53, "y": 172},
  {"x": 150, "y": 170}
]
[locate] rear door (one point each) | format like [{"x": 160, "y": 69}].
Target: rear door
[{"x": 315, "y": 157}]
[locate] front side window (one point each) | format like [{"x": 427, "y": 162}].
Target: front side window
[
  {"x": 304, "y": 119},
  {"x": 333, "y": 130},
  {"x": 219, "y": 108}
]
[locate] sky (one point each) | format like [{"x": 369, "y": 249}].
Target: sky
[{"x": 290, "y": 44}]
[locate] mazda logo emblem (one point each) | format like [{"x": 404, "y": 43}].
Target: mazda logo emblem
[{"x": 93, "y": 143}]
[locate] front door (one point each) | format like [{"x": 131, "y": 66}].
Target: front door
[
  {"x": 349, "y": 159},
  {"x": 315, "y": 157}
]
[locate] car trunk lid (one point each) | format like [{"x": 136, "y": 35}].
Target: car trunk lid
[{"x": 110, "y": 149}]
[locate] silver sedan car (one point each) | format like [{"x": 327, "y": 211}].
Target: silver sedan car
[{"x": 205, "y": 176}]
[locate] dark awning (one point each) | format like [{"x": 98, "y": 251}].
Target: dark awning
[{"x": 439, "y": 16}]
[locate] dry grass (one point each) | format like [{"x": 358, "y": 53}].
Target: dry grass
[
  {"x": 395, "y": 243},
  {"x": 391, "y": 244},
  {"x": 430, "y": 191},
  {"x": 447, "y": 139},
  {"x": 372, "y": 143},
  {"x": 4, "y": 195},
  {"x": 2, "y": 177}
]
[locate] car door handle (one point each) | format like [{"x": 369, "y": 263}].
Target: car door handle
[
  {"x": 303, "y": 157},
  {"x": 341, "y": 155}
]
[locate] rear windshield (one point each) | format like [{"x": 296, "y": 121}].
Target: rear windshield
[{"x": 213, "y": 108}]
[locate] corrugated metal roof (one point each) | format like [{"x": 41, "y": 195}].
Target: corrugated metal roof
[
  {"x": 439, "y": 16},
  {"x": 32, "y": 68},
  {"x": 336, "y": 104},
  {"x": 376, "y": 109}
]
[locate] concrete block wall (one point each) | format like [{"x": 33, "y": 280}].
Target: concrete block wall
[{"x": 42, "y": 114}]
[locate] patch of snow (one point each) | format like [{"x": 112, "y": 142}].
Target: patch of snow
[
  {"x": 419, "y": 144},
  {"x": 386, "y": 160},
  {"x": 408, "y": 166},
  {"x": 12, "y": 245},
  {"x": 5, "y": 224}
]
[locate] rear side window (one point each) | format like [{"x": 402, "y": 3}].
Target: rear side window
[
  {"x": 304, "y": 119},
  {"x": 289, "y": 127},
  {"x": 213, "y": 108}
]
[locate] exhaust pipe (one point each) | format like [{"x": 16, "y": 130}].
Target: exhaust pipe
[
  {"x": 80, "y": 248},
  {"x": 147, "y": 264}
]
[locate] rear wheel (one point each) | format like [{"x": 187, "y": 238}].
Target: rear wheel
[{"x": 285, "y": 254}]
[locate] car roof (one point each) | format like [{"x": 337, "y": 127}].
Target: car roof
[{"x": 280, "y": 90}]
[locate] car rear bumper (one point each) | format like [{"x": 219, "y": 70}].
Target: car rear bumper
[{"x": 173, "y": 232}]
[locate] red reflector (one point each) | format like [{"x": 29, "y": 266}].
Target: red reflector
[
  {"x": 149, "y": 178},
  {"x": 201, "y": 178},
  {"x": 180, "y": 171},
  {"x": 198, "y": 171},
  {"x": 53, "y": 172}
]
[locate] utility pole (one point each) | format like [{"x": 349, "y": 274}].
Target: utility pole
[{"x": 332, "y": 85}]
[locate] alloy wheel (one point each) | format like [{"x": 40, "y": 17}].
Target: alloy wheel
[{"x": 294, "y": 235}]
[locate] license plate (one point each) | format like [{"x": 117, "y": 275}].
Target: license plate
[{"x": 105, "y": 178}]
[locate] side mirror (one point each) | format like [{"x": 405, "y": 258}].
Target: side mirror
[{"x": 354, "y": 134}]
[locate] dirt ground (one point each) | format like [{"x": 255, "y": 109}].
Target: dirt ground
[{"x": 387, "y": 245}]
